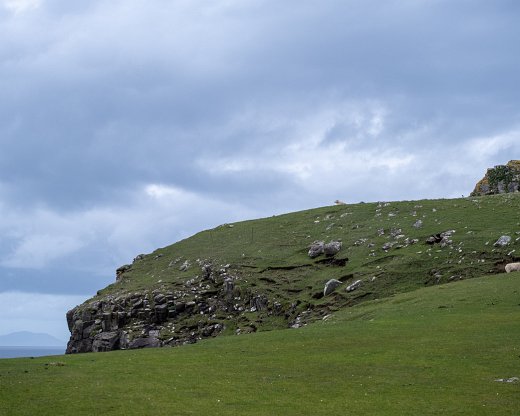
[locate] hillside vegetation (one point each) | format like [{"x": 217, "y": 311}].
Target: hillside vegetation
[
  {"x": 257, "y": 275},
  {"x": 451, "y": 349}
]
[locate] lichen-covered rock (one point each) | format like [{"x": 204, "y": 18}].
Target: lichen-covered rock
[
  {"x": 316, "y": 249},
  {"x": 332, "y": 248},
  {"x": 502, "y": 241},
  {"x": 499, "y": 179}
]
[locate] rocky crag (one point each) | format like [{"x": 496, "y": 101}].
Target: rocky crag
[
  {"x": 155, "y": 318},
  {"x": 500, "y": 179}
]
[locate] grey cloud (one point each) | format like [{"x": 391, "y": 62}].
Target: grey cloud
[{"x": 249, "y": 103}]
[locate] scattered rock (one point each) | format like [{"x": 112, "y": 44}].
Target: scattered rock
[
  {"x": 354, "y": 285},
  {"x": 418, "y": 224},
  {"x": 502, "y": 241},
  {"x": 316, "y": 249},
  {"x": 185, "y": 266},
  {"x": 508, "y": 380},
  {"x": 387, "y": 246},
  {"x": 332, "y": 248},
  {"x": 331, "y": 286}
]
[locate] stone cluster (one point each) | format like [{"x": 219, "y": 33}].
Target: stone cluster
[
  {"x": 499, "y": 179},
  {"x": 164, "y": 318}
]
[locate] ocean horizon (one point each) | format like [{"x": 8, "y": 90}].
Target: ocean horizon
[{"x": 20, "y": 352}]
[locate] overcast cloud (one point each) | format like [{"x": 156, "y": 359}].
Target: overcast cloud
[{"x": 127, "y": 125}]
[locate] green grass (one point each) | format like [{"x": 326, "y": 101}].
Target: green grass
[
  {"x": 432, "y": 351},
  {"x": 270, "y": 255}
]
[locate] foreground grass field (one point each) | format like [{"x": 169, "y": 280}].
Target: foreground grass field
[{"x": 433, "y": 351}]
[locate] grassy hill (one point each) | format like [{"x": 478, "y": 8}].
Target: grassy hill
[
  {"x": 429, "y": 331},
  {"x": 275, "y": 284},
  {"x": 435, "y": 350}
]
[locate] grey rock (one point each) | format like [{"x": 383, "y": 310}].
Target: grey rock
[
  {"x": 138, "y": 258},
  {"x": 121, "y": 270},
  {"x": 331, "y": 286},
  {"x": 161, "y": 313},
  {"x": 184, "y": 266},
  {"x": 387, "y": 246},
  {"x": 105, "y": 341},
  {"x": 332, "y": 248},
  {"x": 159, "y": 299},
  {"x": 502, "y": 241},
  {"x": 150, "y": 342},
  {"x": 259, "y": 303},
  {"x": 354, "y": 285},
  {"x": 316, "y": 249},
  {"x": 418, "y": 224}
]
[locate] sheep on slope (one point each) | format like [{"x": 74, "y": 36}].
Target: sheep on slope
[{"x": 512, "y": 267}]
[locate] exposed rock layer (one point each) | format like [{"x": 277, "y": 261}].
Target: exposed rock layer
[
  {"x": 161, "y": 318},
  {"x": 500, "y": 179}
]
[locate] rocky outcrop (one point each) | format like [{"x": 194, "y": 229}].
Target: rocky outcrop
[
  {"x": 500, "y": 179},
  {"x": 155, "y": 318},
  {"x": 318, "y": 248}
]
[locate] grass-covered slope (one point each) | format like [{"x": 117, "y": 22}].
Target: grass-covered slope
[
  {"x": 434, "y": 351},
  {"x": 385, "y": 244},
  {"x": 271, "y": 253}
]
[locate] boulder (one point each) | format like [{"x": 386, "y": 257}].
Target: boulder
[
  {"x": 332, "y": 248},
  {"x": 331, "y": 286},
  {"x": 161, "y": 313},
  {"x": 139, "y": 257},
  {"x": 105, "y": 341},
  {"x": 316, "y": 249},
  {"x": 502, "y": 241},
  {"x": 122, "y": 270},
  {"x": 150, "y": 342}
]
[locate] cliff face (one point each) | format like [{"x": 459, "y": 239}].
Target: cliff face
[
  {"x": 500, "y": 179},
  {"x": 155, "y": 318}
]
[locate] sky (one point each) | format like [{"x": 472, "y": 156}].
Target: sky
[{"x": 127, "y": 125}]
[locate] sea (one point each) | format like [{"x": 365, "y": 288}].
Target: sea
[{"x": 16, "y": 352}]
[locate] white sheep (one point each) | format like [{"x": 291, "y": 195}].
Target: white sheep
[{"x": 512, "y": 267}]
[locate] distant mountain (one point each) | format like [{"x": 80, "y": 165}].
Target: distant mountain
[{"x": 30, "y": 339}]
